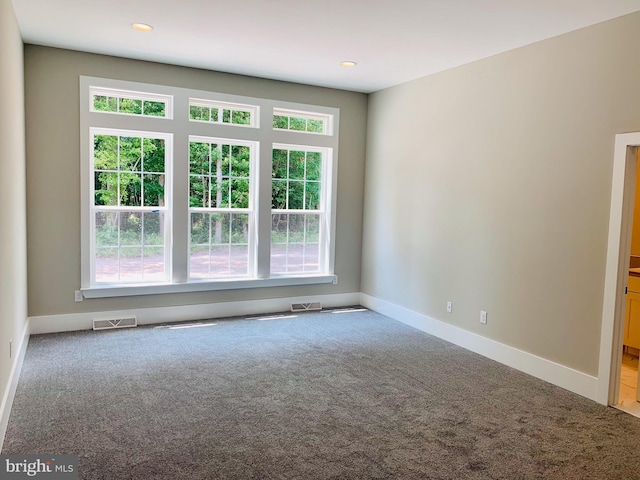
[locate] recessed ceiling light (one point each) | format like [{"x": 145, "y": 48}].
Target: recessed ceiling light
[
  {"x": 142, "y": 27},
  {"x": 348, "y": 63}
]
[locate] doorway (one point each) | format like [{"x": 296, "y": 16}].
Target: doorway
[
  {"x": 619, "y": 305},
  {"x": 628, "y": 394}
]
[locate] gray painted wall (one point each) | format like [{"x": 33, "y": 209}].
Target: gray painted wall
[
  {"x": 489, "y": 186},
  {"x": 13, "y": 251},
  {"x": 53, "y": 174}
]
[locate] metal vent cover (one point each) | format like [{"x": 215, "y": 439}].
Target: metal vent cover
[
  {"x": 111, "y": 323},
  {"x": 306, "y": 307}
]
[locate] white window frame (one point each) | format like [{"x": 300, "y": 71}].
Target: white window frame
[
  {"x": 324, "y": 253},
  {"x": 233, "y": 107},
  {"x": 326, "y": 119},
  {"x": 120, "y": 94},
  {"x": 253, "y": 191},
  {"x": 181, "y": 129},
  {"x": 168, "y": 139}
]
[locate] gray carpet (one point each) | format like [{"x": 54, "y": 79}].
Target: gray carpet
[{"x": 319, "y": 396}]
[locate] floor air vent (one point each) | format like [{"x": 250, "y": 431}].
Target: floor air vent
[
  {"x": 305, "y": 307},
  {"x": 115, "y": 323}
]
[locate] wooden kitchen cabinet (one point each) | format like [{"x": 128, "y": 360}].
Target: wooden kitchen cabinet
[{"x": 632, "y": 323}]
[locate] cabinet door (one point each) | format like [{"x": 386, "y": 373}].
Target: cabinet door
[{"x": 632, "y": 328}]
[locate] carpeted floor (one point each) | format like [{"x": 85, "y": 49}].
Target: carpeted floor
[{"x": 326, "y": 395}]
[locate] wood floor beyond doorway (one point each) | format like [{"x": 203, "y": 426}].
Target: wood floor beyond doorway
[{"x": 629, "y": 385}]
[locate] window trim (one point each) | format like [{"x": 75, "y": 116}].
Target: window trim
[{"x": 182, "y": 129}]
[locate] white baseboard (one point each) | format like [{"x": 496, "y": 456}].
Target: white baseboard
[
  {"x": 560, "y": 375},
  {"x": 12, "y": 384},
  {"x": 147, "y": 316}
]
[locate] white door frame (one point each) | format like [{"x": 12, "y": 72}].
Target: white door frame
[{"x": 617, "y": 267}]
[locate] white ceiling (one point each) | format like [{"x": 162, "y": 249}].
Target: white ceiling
[{"x": 393, "y": 41}]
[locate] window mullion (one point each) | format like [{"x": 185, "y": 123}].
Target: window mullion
[{"x": 179, "y": 174}]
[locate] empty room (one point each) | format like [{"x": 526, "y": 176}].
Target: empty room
[{"x": 340, "y": 240}]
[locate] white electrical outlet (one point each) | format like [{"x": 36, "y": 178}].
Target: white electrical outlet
[
  {"x": 483, "y": 317},
  {"x": 78, "y": 296},
  {"x": 449, "y": 307}
]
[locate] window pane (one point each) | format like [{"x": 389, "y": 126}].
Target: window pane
[
  {"x": 296, "y": 165},
  {"x": 131, "y": 105},
  {"x": 200, "y": 229},
  {"x": 226, "y": 116},
  {"x": 131, "y": 265},
  {"x": 130, "y": 189},
  {"x": 312, "y": 196},
  {"x": 280, "y": 121},
  {"x": 199, "y": 158},
  {"x": 314, "y": 165},
  {"x": 279, "y": 194},
  {"x": 153, "y": 232},
  {"x": 241, "y": 118},
  {"x": 153, "y": 155},
  {"x": 239, "y": 229},
  {"x": 241, "y": 159},
  {"x": 154, "y": 109},
  {"x": 315, "y": 126},
  {"x": 130, "y": 228},
  {"x": 154, "y": 190},
  {"x": 198, "y": 191},
  {"x": 299, "y": 124},
  {"x": 240, "y": 193},
  {"x": 101, "y": 103},
  {"x": 224, "y": 164},
  {"x": 294, "y": 243},
  {"x": 105, "y": 152},
  {"x": 219, "y": 245},
  {"x": 279, "y": 165},
  {"x": 296, "y": 195},
  {"x": 107, "y": 265},
  {"x": 195, "y": 113},
  {"x": 106, "y": 232},
  {"x": 106, "y": 188},
  {"x": 129, "y": 246},
  {"x": 131, "y": 154}
]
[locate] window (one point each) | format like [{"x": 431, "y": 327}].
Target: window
[
  {"x": 129, "y": 206},
  {"x": 222, "y": 112},
  {"x": 130, "y": 103},
  {"x": 207, "y": 199},
  {"x": 297, "y": 209},
  {"x": 302, "y": 121},
  {"x": 220, "y": 202}
]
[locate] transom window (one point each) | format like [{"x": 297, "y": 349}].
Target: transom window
[
  {"x": 199, "y": 201},
  {"x": 301, "y": 121},
  {"x": 222, "y": 112},
  {"x": 130, "y": 103}
]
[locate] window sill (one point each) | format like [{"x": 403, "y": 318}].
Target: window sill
[{"x": 107, "y": 291}]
